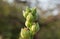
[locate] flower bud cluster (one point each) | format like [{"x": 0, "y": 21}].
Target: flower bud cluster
[{"x": 32, "y": 27}]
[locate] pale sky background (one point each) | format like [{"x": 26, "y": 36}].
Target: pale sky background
[
  {"x": 10, "y": 1},
  {"x": 48, "y": 5},
  {"x": 44, "y": 4}
]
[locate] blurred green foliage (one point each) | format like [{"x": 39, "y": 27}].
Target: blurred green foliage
[
  {"x": 50, "y": 31},
  {"x": 11, "y": 20}
]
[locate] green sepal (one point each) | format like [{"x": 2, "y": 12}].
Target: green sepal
[
  {"x": 25, "y": 33},
  {"x": 33, "y": 11},
  {"x": 28, "y": 24},
  {"x": 35, "y": 28},
  {"x": 30, "y": 17}
]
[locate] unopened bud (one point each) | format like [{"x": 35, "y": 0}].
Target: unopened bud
[
  {"x": 35, "y": 28},
  {"x": 25, "y": 33},
  {"x": 30, "y": 17},
  {"x": 34, "y": 11},
  {"x": 28, "y": 24}
]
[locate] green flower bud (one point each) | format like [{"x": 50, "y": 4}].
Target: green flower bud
[
  {"x": 30, "y": 17},
  {"x": 28, "y": 9},
  {"x": 36, "y": 17},
  {"x": 25, "y": 14},
  {"x": 25, "y": 33},
  {"x": 35, "y": 28},
  {"x": 34, "y": 11},
  {"x": 28, "y": 24}
]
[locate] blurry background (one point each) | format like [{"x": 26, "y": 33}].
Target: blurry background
[{"x": 12, "y": 20}]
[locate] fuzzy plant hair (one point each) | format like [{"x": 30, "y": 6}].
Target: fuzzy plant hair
[{"x": 32, "y": 27}]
